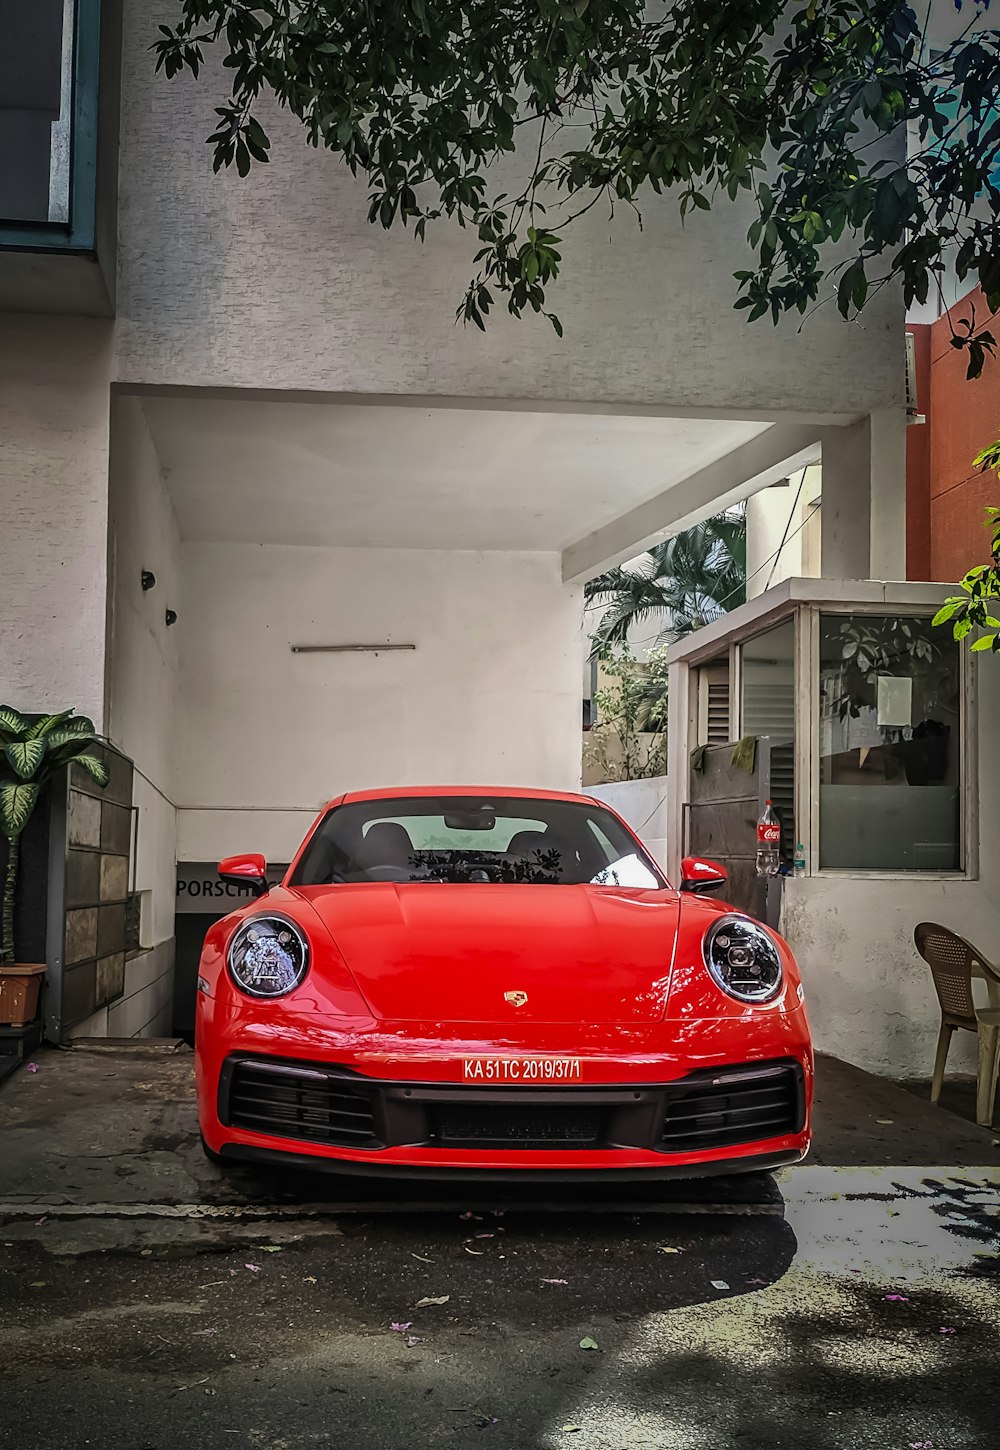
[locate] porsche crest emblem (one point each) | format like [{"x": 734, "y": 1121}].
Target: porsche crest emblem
[{"x": 516, "y": 999}]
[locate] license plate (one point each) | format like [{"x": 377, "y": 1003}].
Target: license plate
[{"x": 521, "y": 1069}]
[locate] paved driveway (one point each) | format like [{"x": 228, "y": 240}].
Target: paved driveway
[{"x": 151, "y": 1305}]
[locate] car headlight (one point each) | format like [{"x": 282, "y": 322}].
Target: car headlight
[
  {"x": 268, "y": 956},
  {"x": 743, "y": 960}
]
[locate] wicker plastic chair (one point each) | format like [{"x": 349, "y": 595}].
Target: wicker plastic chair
[{"x": 953, "y": 961}]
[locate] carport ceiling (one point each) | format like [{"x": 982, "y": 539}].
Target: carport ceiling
[{"x": 416, "y": 476}]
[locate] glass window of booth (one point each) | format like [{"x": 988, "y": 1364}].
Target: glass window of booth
[
  {"x": 890, "y": 740},
  {"x": 767, "y": 693}
]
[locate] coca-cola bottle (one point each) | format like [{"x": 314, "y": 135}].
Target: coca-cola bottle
[{"x": 768, "y": 842}]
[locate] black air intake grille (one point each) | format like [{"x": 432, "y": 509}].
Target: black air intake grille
[
  {"x": 743, "y": 1107},
  {"x": 299, "y": 1102}
]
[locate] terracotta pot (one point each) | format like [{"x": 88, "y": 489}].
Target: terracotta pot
[{"x": 20, "y": 985}]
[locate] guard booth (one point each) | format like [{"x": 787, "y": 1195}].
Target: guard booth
[{"x": 841, "y": 702}]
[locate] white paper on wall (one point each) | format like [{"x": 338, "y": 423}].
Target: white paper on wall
[{"x": 894, "y": 700}]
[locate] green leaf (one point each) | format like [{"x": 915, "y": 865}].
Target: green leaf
[
  {"x": 985, "y": 643},
  {"x": 95, "y": 768},
  {"x": 588, "y": 1343},
  {"x": 59, "y": 739},
  {"x": 49, "y": 722},
  {"x": 25, "y": 756},
  {"x": 11, "y": 722},
  {"x": 945, "y": 612},
  {"x": 17, "y": 801}
]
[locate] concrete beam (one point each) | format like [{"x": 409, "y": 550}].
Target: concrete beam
[{"x": 763, "y": 460}]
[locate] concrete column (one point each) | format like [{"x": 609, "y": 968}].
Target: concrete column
[
  {"x": 888, "y": 496},
  {"x": 54, "y": 432},
  {"x": 864, "y": 499}
]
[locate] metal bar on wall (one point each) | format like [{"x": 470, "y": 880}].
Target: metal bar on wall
[{"x": 348, "y": 649}]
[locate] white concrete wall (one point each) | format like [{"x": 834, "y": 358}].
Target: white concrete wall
[
  {"x": 770, "y": 513},
  {"x": 869, "y": 995},
  {"x": 142, "y": 695},
  {"x": 490, "y": 695},
  {"x": 279, "y": 280},
  {"x": 54, "y": 378},
  {"x": 643, "y": 805}
]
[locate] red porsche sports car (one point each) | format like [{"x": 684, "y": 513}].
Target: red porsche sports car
[{"x": 500, "y": 982}]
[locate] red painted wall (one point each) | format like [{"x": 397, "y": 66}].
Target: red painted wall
[{"x": 945, "y": 494}]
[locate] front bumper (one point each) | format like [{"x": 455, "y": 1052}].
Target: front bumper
[{"x": 357, "y": 1108}]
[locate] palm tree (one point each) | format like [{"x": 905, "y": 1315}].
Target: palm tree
[{"x": 690, "y": 580}]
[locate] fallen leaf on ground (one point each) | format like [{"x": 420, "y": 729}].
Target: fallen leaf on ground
[
  {"x": 43, "y": 1283},
  {"x": 478, "y": 1252},
  {"x": 412, "y": 1339},
  {"x": 32, "y": 1066},
  {"x": 254, "y": 1268},
  {"x": 896, "y": 1298},
  {"x": 719, "y": 1284},
  {"x": 588, "y": 1343},
  {"x": 309, "y": 1279},
  {"x": 398, "y": 1328},
  {"x": 145, "y": 1253},
  {"x": 885, "y": 1122},
  {"x": 429, "y": 1301},
  {"x": 485, "y": 1236},
  {"x": 485, "y": 1420},
  {"x": 423, "y": 1258},
  {"x": 555, "y": 1281},
  {"x": 39, "y": 1221},
  {"x": 758, "y": 1282},
  {"x": 945, "y": 1330},
  {"x": 571, "y": 1429},
  {"x": 668, "y": 1249},
  {"x": 272, "y": 1249}
]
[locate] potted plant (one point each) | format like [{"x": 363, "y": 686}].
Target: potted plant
[{"x": 31, "y": 752}]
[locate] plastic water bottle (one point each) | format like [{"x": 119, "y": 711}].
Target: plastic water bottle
[
  {"x": 800, "y": 859},
  {"x": 768, "y": 842}
]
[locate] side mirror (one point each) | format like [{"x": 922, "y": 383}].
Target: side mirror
[
  {"x": 245, "y": 871},
  {"x": 699, "y": 876}
]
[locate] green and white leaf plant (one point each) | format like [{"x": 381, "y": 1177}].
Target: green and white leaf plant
[{"x": 32, "y": 751}]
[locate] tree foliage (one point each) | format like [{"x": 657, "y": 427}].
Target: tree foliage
[
  {"x": 628, "y": 740},
  {"x": 976, "y": 607},
  {"x": 687, "y": 581},
  {"x": 805, "y": 105}
]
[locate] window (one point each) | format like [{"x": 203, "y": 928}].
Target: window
[
  {"x": 890, "y": 745},
  {"x": 36, "y": 95},
  {"x": 713, "y": 704},
  {"x": 474, "y": 839},
  {"x": 767, "y": 681}
]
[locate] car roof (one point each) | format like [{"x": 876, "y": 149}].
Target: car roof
[{"x": 410, "y": 792}]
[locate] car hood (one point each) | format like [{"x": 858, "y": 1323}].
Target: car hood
[{"x": 432, "y": 951}]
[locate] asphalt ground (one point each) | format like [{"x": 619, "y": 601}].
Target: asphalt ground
[
  {"x": 149, "y": 1303},
  {"x": 866, "y": 1314}
]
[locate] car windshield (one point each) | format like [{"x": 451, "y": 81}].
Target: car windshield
[{"x": 478, "y": 839}]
